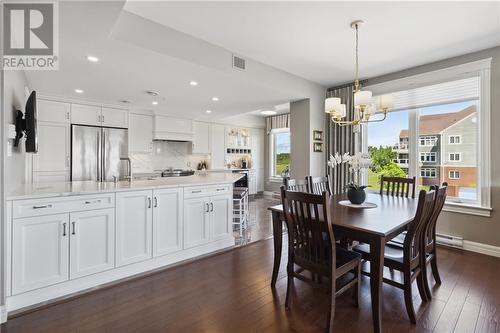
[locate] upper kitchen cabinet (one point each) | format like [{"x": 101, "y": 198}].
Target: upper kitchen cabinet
[
  {"x": 238, "y": 138},
  {"x": 55, "y": 112},
  {"x": 218, "y": 158},
  {"x": 111, "y": 117},
  {"x": 175, "y": 129},
  {"x": 201, "y": 139},
  {"x": 85, "y": 114},
  {"x": 140, "y": 133}
]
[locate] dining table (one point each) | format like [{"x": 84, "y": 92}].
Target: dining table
[{"x": 388, "y": 217}]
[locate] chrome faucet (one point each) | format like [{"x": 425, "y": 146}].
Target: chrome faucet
[{"x": 129, "y": 163}]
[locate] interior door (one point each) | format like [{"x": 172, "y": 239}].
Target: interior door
[
  {"x": 167, "y": 221},
  {"x": 92, "y": 242}
]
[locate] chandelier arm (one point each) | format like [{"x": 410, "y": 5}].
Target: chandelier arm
[{"x": 374, "y": 120}]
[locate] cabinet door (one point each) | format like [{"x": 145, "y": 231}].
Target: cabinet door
[
  {"x": 220, "y": 216},
  {"x": 51, "y": 111},
  {"x": 92, "y": 242},
  {"x": 218, "y": 147},
  {"x": 134, "y": 223},
  {"x": 257, "y": 148},
  {"x": 201, "y": 142},
  {"x": 140, "y": 133},
  {"x": 167, "y": 221},
  {"x": 53, "y": 147},
  {"x": 252, "y": 182},
  {"x": 114, "y": 117},
  {"x": 196, "y": 221},
  {"x": 40, "y": 249},
  {"x": 85, "y": 114}
]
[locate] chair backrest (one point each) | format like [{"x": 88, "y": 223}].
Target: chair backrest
[
  {"x": 310, "y": 234},
  {"x": 397, "y": 186},
  {"x": 296, "y": 185},
  {"x": 318, "y": 185},
  {"x": 430, "y": 230},
  {"x": 412, "y": 248}
]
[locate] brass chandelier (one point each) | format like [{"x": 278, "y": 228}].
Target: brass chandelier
[{"x": 364, "y": 104}]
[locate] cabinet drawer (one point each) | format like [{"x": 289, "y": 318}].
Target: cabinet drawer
[
  {"x": 38, "y": 207},
  {"x": 201, "y": 191}
]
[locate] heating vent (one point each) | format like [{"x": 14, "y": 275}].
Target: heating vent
[
  {"x": 238, "y": 62},
  {"x": 448, "y": 240}
]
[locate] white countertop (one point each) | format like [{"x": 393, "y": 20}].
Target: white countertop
[{"x": 62, "y": 189}]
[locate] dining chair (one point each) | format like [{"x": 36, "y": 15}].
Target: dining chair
[
  {"x": 312, "y": 248},
  {"x": 429, "y": 239},
  {"x": 296, "y": 185},
  {"x": 397, "y": 186},
  {"x": 318, "y": 185},
  {"x": 408, "y": 258}
]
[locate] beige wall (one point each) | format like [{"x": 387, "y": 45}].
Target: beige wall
[{"x": 471, "y": 228}]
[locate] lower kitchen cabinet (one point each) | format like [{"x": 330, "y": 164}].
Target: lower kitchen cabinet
[
  {"x": 196, "y": 221},
  {"x": 167, "y": 221},
  {"x": 220, "y": 215},
  {"x": 134, "y": 224},
  {"x": 92, "y": 242},
  {"x": 40, "y": 250}
]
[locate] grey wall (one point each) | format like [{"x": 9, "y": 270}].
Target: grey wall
[
  {"x": 472, "y": 228},
  {"x": 299, "y": 138}
]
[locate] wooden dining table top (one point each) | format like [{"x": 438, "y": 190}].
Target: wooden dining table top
[{"x": 387, "y": 218}]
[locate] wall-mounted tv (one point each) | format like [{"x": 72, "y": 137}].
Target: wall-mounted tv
[{"x": 28, "y": 125}]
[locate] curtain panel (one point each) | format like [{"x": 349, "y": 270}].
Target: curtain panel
[
  {"x": 279, "y": 121},
  {"x": 340, "y": 139}
]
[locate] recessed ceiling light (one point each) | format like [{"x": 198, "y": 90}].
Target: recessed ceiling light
[
  {"x": 124, "y": 101},
  {"x": 154, "y": 102},
  {"x": 92, "y": 58},
  {"x": 152, "y": 93},
  {"x": 79, "y": 91},
  {"x": 268, "y": 113},
  {"x": 215, "y": 99},
  {"x": 209, "y": 111},
  {"x": 193, "y": 83}
]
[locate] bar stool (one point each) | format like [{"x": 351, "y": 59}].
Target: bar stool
[{"x": 240, "y": 209}]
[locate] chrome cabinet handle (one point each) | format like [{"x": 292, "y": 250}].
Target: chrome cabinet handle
[
  {"x": 156, "y": 202},
  {"x": 220, "y": 189},
  {"x": 91, "y": 202},
  {"x": 208, "y": 207},
  {"x": 73, "y": 226},
  {"x": 64, "y": 229},
  {"x": 102, "y": 118},
  {"x": 67, "y": 115},
  {"x": 149, "y": 202},
  {"x": 43, "y": 206},
  {"x": 211, "y": 206},
  {"x": 197, "y": 191}
]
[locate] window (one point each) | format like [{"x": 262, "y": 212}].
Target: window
[
  {"x": 428, "y": 172},
  {"x": 454, "y": 139},
  {"x": 436, "y": 113},
  {"x": 428, "y": 140},
  {"x": 454, "y": 157},
  {"x": 428, "y": 157},
  {"x": 280, "y": 151}
]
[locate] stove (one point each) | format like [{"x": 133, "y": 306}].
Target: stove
[{"x": 176, "y": 173}]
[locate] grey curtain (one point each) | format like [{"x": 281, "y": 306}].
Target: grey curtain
[
  {"x": 279, "y": 121},
  {"x": 340, "y": 139}
]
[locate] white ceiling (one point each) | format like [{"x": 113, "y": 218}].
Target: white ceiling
[{"x": 313, "y": 39}]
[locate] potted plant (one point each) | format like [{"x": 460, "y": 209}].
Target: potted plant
[{"x": 357, "y": 163}]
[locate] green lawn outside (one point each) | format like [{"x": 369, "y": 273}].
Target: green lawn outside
[{"x": 282, "y": 161}]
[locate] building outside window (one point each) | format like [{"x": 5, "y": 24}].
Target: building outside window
[
  {"x": 454, "y": 139},
  {"x": 428, "y": 156},
  {"x": 455, "y": 157},
  {"x": 428, "y": 140},
  {"x": 428, "y": 172},
  {"x": 453, "y": 174}
]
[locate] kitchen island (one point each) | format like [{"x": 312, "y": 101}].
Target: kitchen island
[{"x": 69, "y": 237}]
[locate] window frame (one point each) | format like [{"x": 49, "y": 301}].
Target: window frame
[
  {"x": 430, "y": 172},
  {"x": 430, "y": 154},
  {"x": 454, "y": 137},
  {"x": 455, "y": 172},
  {"x": 455, "y": 154},
  {"x": 430, "y": 138},
  {"x": 482, "y": 70},
  {"x": 272, "y": 155}
]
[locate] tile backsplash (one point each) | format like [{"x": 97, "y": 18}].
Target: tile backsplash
[{"x": 166, "y": 154}]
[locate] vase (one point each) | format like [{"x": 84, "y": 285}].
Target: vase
[{"x": 356, "y": 197}]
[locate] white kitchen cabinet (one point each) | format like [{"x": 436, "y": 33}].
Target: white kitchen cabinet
[
  {"x": 112, "y": 117},
  {"x": 53, "y": 147},
  {"x": 134, "y": 224},
  {"x": 258, "y": 142},
  {"x": 252, "y": 182},
  {"x": 52, "y": 111},
  {"x": 196, "y": 221},
  {"x": 167, "y": 221},
  {"x": 201, "y": 139},
  {"x": 171, "y": 128},
  {"x": 220, "y": 215},
  {"x": 140, "y": 133},
  {"x": 40, "y": 249},
  {"x": 92, "y": 242},
  {"x": 218, "y": 150},
  {"x": 85, "y": 114}
]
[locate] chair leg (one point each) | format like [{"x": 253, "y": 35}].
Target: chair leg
[
  {"x": 421, "y": 287},
  {"x": 331, "y": 311},
  {"x": 289, "y": 284},
  {"x": 408, "y": 297},
  {"x": 435, "y": 271},
  {"x": 425, "y": 280},
  {"x": 356, "y": 291}
]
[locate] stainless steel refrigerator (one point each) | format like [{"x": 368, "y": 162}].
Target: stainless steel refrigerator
[{"x": 96, "y": 153}]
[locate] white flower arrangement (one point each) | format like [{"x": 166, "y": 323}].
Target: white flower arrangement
[{"x": 357, "y": 163}]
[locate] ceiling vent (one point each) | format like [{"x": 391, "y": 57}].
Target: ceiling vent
[{"x": 239, "y": 63}]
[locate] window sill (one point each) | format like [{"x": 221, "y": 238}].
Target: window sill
[
  {"x": 469, "y": 209},
  {"x": 275, "y": 180}
]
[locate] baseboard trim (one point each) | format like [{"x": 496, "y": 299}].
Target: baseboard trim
[
  {"x": 490, "y": 250},
  {"x": 3, "y": 314}
]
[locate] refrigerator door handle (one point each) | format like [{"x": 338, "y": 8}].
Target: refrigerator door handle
[
  {"x": 98, "y": 167},
  {"x": 103, "y": 171}
]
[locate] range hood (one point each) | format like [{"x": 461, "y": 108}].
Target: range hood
[{"x": 173, "y": 129}]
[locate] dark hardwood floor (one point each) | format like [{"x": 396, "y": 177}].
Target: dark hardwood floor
[{"x": 230, "y": 292}]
